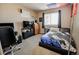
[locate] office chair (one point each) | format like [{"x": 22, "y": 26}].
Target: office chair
[{"x": 8, "y": 40}]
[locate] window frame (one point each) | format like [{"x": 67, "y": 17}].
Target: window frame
[{"x": 50, "y": 19}]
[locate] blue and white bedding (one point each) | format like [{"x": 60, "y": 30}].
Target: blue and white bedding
[{"x": 58, "y": 40}]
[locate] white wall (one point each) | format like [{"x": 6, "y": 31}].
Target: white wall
[
  {"x": 65, "y": 15},
  {"x": 10, "y": 13},
  {"x": 76, "y": 29}
]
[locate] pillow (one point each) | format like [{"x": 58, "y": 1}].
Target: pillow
[{"x": 54, "y": 29}]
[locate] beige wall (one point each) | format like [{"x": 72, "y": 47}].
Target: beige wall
[
  {"x": 10, "y": 13},
  {"x": 76, "y": 29},
  {"x": 65, "y": 15}
]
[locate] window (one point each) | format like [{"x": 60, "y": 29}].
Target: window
[{"x": 51, "y": 19}]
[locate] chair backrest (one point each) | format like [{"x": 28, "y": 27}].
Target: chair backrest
[
  {"x": 7, "y": 36},
  {"x": 7, "y": 24}
]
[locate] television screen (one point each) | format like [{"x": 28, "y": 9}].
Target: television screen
[{"x": 25, "y": 23}]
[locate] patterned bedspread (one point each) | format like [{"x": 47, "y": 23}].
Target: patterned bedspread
[{"x": 57, "y": 39}]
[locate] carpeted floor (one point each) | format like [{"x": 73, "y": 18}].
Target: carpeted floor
[{"x": 30, "y": 46}]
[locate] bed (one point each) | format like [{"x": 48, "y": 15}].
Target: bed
[{"x": 59, "y": 42}]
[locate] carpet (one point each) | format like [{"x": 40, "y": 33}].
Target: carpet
[{"x": 30, "y": 46}]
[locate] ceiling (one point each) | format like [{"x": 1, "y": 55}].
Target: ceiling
[{"x": 42, "y": 6}]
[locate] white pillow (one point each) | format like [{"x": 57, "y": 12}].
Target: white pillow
[{"x": 54, "y": 29}]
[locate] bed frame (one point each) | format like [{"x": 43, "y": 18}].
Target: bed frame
[{"x": 52, "y": 48}]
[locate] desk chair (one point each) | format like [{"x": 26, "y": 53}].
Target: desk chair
[{"x": 8, "y": 40}]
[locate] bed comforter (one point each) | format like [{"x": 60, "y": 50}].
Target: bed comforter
[{"x": 57, "y": 40}]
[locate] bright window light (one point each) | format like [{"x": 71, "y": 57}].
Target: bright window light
[{"x": 51, "y": 19}]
